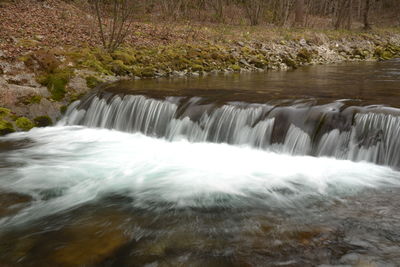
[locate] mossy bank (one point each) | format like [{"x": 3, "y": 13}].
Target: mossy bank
[{"x": 43, "y": 82}]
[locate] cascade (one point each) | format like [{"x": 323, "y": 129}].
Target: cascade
[{"x": 301, "y": 128}]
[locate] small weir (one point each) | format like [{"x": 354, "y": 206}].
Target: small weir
[
  {"x": 272, "y": 169},
  {"x": 334, "y": 130}
]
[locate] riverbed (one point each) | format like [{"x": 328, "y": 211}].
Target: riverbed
[{"x": 297, "y": 168}]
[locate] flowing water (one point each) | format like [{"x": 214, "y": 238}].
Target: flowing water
[{"x": 293, "y": 168}]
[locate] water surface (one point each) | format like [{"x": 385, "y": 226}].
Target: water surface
[{"x": 294, "y": 168}]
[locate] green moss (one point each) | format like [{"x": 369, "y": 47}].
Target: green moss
[
  {"x": 126, "y": 56},
  {"x": 35, "y": 99},
  {"x": 56, "y": 82},
  {"x": 28, "y": 43},
  {"x": 304, "y": 55},
  {"x": 258, "y": 62},
  {"x": 147, "y": 72},
  {"x": 119, "y": 68},
  {"x": 197, "y": 67},
  {"x": 382, "y": 53},
  {"x": 24, "y": 124},
  {"x": 92, "y": 81},
  {"x": 43, "y": 121},
  {"x": 235, "y": 67},
  {"x": 357, "y": 52},
  {"x": 96, "y": 66},
  {"x": 4, "y": 112},
  {"x": 63, "y": 109},
  {"x": 6, "y": 127},
  {"x": 75, "y": 97},
  {"x": 289, "y": 62}
]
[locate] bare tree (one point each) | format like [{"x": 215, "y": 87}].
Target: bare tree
[
  {"x": 254, "y": 10},
  {"x": 343, "y": 14},
  {"x": 114, "y": 19},
  {"x": 367, "y": 25},
  {"x": 299, "y": 13},
  {"x": 218, "y": 6}
]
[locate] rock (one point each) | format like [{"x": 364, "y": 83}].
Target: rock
[
  {"x": 244, "y": 62},
  {"x": 78, "y": 85},
  {"x": 11, "y": 203},
  {"x": 303, "y": 42},
  {"x": 351, "y": 258},
  {"x": 329, "y": 265},
  {"x": 178, "y": 73},
  {"x": 91, "y": 240},
  {"x": 43, "y": 121},
  {"x": 24, "y": 79},
  {"x": 39, "y": 37},
  {"x": 240, "y": 44}
]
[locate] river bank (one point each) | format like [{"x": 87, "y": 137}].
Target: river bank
[{"x": 39, "y": 77}]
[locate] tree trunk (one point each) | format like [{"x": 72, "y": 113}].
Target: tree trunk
[
  {"x": 367, "y": 25},
  {"x": 299, "y": 13}
]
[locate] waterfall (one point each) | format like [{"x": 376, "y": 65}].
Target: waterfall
[{"x": 332, "y": 130}]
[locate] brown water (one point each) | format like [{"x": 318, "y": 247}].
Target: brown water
[
  {"x": 73, "y": 196},
  {"x": 372, "y": 83}
]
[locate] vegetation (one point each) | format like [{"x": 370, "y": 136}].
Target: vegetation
[
  {"x": 6, "y": 126},
  {"x": 114, "y": 21},
  {"x": 24, "y": 123},
  {"x": 43, "y": 121},
  {"x": 115, "y": 16},
  {"x": 91, "y": 42},
  {"x": 92, "y": 81},
  {"x": 56, "y": 82}
]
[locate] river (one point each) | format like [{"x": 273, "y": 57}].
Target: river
[{"x": 297, "y": 168}]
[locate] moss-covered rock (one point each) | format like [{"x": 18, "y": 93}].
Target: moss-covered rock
[
  {"x": 6, "y": 127},
  {"x": 125, "y": 55},
  {"x": 32, "y": 99},
  {"x": 119, "y": 68},
  {"x": 197, "y": 67},
  {"x": 235, "y": 67},
  {"x": 56, "y": 82},
  {"x": 305, "y": 55},
  {"x": 4, "y": 112},
  {"x": 43, "y": 121},
  {"x": 147, "y": 72},
  {"x": 63, "y": 109},
  {"x": 289, "y": 62},
  {"x": 24, "y": 123},
  {"x": 92, "y": 81}
]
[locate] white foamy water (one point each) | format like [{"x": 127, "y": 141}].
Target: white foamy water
[{"x": 77, "y": 165}]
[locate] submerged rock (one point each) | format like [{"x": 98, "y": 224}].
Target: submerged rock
[
  {"x": 11, "y": 203},
  {"x": 91, "y": 240}
]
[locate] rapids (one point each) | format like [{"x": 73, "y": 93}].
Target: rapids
[{"x": 272, "y": 169}]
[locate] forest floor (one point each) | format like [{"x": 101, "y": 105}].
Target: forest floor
[{"x": 50, "y": 53}]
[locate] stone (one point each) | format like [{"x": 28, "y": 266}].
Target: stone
[
  {"x": 78, "y": 85},
  {"x": 91, "y": 240},
  {"x": 11, "y": 203},
  {"x": 244, "y": 62}
]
